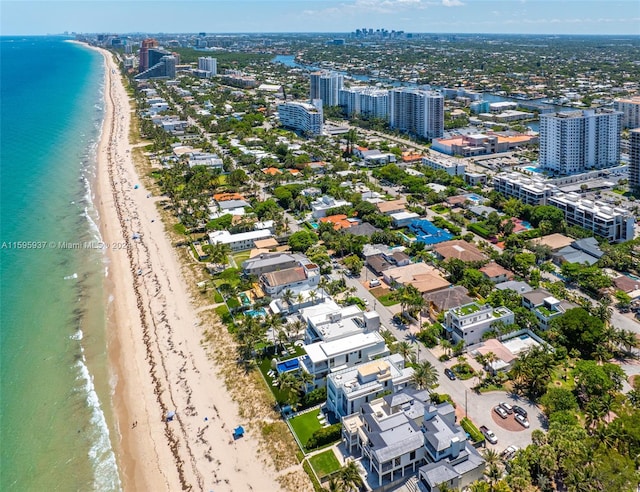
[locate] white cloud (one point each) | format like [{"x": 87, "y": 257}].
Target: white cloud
[{"x": 452, "y": 3}]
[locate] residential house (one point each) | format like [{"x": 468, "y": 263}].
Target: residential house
[
  {"x": 238, "y": 242},
  {"x": 325, "y": 357},
  {"x": 275, "y": 283},
  {"x": 271, "y": 262},
  {"x": 348, "y": 389},
  {"x": 469, "y": 322},
  {"x": 320, "y": 206},
  {"x": 442, "y": 300},
  {"x": 459, "y": 249},
  {"x": 423, "y": 277},
  {"x": 403, "y": 219},
  {"x": 404, "y": 432},
  {"x": 546, "y": 307},
  {"x": 391, "y": 206},
  {"x": 496, "y": 273}
]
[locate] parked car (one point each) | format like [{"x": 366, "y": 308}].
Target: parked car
[
  {"x": 488, "y": 434},
  {"x": 374, "y": 283},
  {"x": 520, "y": 411},
  {"x": 449, "y": 373},
  {"x": 500, "y": 411},
  {"x": 506, "y": 407},
  {"x": 508, "y": 453},
  {"x": 522, "y": 421}
]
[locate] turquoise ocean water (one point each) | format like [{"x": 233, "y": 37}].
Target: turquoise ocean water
[{"x": 56, "y": 427}]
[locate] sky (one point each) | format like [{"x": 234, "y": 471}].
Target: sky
[{"x": 25, "y": 17}]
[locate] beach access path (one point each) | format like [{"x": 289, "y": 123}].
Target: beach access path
[{"x": 157, "y": 361}]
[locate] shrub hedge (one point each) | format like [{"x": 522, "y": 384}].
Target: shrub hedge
[{"x": 323, "y": 436}]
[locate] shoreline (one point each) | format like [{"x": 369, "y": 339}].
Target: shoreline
[{"x": 154, "y": 339}]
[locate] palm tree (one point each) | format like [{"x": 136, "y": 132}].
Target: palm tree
[
  {"x": 335, "y": 485},
  {"x": 425, "y": 375},
  {"x": 290, "y": 386},
  {"x": 313, "y": 295},
  {"x": 220, "y": 253},
  {"x": 491, "y": 456},
  {"x": 288, "y": 296},
  {"x": 350, "y": 477},
  {"x": 404, "y": 348}
]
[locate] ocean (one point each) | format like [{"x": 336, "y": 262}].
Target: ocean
[{"x": 56, "y": 425}]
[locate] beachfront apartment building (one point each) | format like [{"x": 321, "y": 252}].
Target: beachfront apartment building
[
  {"x": 238, "y": 242},
  {"x": 162, "y": 65},
  {"x": 576, "y": 141},
  {"x": 326, "y": 86},
  {"x": 613, "y": 223},
  {"x": 303, "y": 276},
  {"x": 634, "y": 158},
  {"x": 302, "y": 117},
  {"x": 404, "y": 433},
  {"x": 349, "y": 389},
  {"x": 320, "y": 205},
  {"x": 209, "y": 65},
  {"x": 630, "y": 109},
  {"x": 417, "y": 111},
  {"x": 326, "y": 357},
  {"x": 453, "y": 167},
  {"x": 469, "y": 322},
  {"x": 531, "y": 190},
  {"x": 367, "y": 101}
]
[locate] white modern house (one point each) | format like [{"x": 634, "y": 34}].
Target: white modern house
[
  {"x": 404, "y": 433},
  {"x": 324, "y": 358},
  {"x": 470, "y": 321},
  {"x": 348, "y": 389},
  {"x": 320, "y": 206},
  {"x": 238, "y": 242}
]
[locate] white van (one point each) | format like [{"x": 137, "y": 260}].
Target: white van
[{"x": 374, "y": 283}]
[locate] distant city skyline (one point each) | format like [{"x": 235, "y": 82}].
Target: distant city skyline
[{"x": 617, "y": 17}]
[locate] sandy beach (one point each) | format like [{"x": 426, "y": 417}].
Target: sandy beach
[{"x": 158, "y": 361}]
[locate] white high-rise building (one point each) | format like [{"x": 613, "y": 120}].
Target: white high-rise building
[
  {"x": 208, "y": 64},
  {"x": 634, "y": 158},
  {"x": 326, "y": 86},
  {"x": 303, "y": 117},
  {"x": 576, "y": 141},
  {"x": 365, "y": 101},
  {"x": 630, "y": 109},
  {"x": 417, "y": 111}
]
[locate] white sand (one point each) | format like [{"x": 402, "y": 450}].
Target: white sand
[{"x": 154, "y": 342}]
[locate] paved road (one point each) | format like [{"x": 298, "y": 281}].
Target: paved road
[{"x": 479, "y": 407}]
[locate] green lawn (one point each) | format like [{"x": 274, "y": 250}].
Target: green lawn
[
  {"x": 305, "y": 425},
  {"x": 239, "y": 258},
  {"x": 325, "y": 463},
  {"x": 388, "y": 299}
]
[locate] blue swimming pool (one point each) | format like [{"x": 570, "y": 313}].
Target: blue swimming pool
[
  {"x": 532, "y": 169},
  {"x": 244, "y": 298},
  {"x": 288, "y": 365},
  {"x": 255, "y": 313},
  {"x": 526, "y": 225},
  {"x": 314, "y": 225},
  {"x": 474, "y": 197}
]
